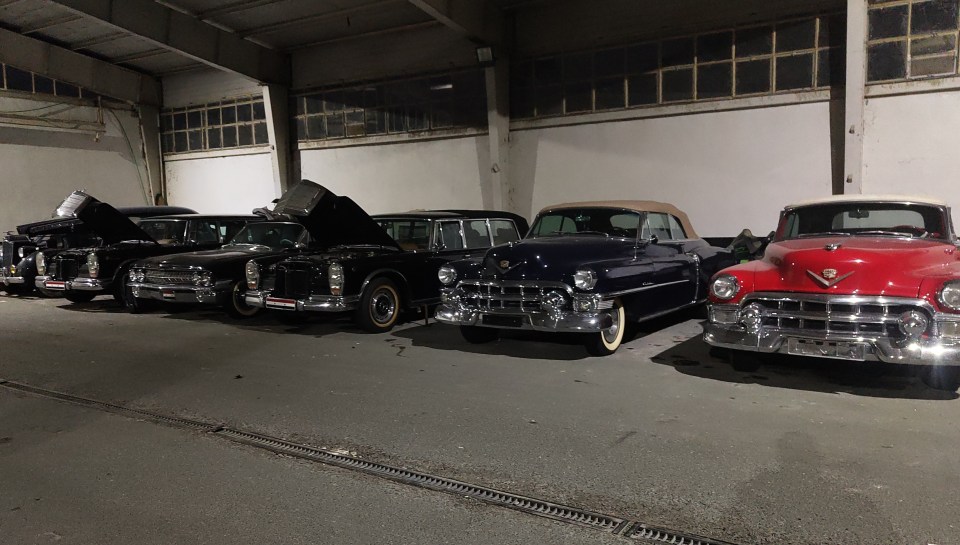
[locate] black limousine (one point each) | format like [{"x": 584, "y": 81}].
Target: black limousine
[{"x": 373, "y": 267}]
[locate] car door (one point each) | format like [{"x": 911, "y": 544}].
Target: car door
[{"x": 674, "y": 280}]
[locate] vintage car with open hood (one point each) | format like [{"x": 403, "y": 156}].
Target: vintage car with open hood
[
  {"x": 849, "y": 278},
  {"x": 84, "y": 273},
  {"x": 18, "y": 252},
  {"x": 374, "y": 267},
  {"x": 587, "y": 268},
  {"x": 172, "y": 278}
]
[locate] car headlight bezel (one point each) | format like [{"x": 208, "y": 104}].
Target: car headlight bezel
[
  {"x": 447, "y": 275},
  {"x": 252, "y": 272},
  {"x": 585, "y": 279},
  {"x": 949, "y": 295},
  {"x": 41, "y": 262},
  {"x": 137, "y": 275},
  {"x": 202, "y": 279},
  {"x": 93, "y": 265},
  {"x": 335, "y": 278},
  {"x": 725, "y": 287}
]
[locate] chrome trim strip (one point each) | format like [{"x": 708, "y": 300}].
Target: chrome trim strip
[{"x": 644, "y": 288}]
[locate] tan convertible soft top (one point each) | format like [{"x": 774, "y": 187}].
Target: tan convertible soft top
[{"x": 637, "y": 206}]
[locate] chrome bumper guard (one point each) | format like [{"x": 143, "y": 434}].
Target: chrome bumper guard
[
  {"x": 8, "y": 280},
  {"x": 314, "y": 303},
  {"x": 724, "y": 330},
  {"x": 180, "y": 293},
  {"x": 452, "y": 311}
]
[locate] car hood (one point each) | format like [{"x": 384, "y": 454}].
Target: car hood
[
  {"x": 553, "y": 258},
  {"x": 209, "y": 259},
  {"x": 331, "y": 220},
  {"x": 887, "y": 266},
  {"x": 102, "y": 219}
]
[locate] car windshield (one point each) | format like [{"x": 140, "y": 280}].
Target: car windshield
[
  {"x": 587, "y": 221},
  {"x": 864, "y": 219},
  {"x": 274, "y": 235},
  {"x": 165, "y": 231}
]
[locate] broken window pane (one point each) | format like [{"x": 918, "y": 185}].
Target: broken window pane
[
  {"x": 643, "y": 89},
  {"x": 796, "y": 35},
  {"x": 794, "y": 72},
  {"x": 888, "y": 22},
  {"x": 715, "y": 80},
  {"x": 754, "y": 41},
  {"x": 714, "y": 47},
  {"x": 886, "y": 61},
  {"x": 753, "y": 77},
  {"x": 933, "y": 15},
  {"x": 677, "y": 85},
  {"x": 677, "y": 52}
]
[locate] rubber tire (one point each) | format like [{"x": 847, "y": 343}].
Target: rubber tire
[
  {"x": 939, "y": 377},
  {"x": 135, "y": 305},
  {"x": 364, "y": 313},
  {"x": 479, "y": 335},
  {"x": 49, "y": 294},
  {"x": 597, "y": 344},
  {"x": 79, "y": 296},
  {"x": 745, "y": 362},
  {"x": 235, "y": 306}
]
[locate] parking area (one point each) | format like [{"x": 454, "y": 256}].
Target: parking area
[{"x": 801, "y": 451}]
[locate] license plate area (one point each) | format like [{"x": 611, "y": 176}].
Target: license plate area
[
  {"x": 168, "y": 294},
  {"x": 827, "y": 349},
  {"x": 503, "y": 321},
  {"x": 55, "y": 285},
  {"x": 281, "y": 304}
]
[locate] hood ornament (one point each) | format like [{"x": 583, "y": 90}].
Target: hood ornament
[
  {"x": 504, "y": 264},
  {"x": 829, "y": 277},
  {"x": 832, "y": 246}
]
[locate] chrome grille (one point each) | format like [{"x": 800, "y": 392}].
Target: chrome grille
[
  {"x": 510, "y": 296},
  {"x": 68, "y": 269},
  {"x": 8, "y": 253},
  {"x": 159, "y": 276},
  {"x": 853, "y": 315},
  {"x": 293, "y": 283}
]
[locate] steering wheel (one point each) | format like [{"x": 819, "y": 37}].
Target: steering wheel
[
  {"x": 619, "y": 232},
  {"x": 286, "y": 243}
]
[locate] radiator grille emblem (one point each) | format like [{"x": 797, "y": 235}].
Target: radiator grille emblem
[{"x": 829, "y": 278}]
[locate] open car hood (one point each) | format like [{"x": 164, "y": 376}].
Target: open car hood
[
  {"x": 331, "y": 220},
  {"x": 102, "y": 219}
]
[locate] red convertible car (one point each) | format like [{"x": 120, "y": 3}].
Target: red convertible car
[{"x": 850, "y": 278}]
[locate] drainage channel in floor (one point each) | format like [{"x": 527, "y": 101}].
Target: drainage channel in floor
[{"x": 633, "y": 530}]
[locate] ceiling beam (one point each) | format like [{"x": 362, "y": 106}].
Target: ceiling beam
[
  {"x": 188, "y": 36},
  {"x": 49, "y": 23},
  {"x": 101, "y": 77},
  {"x": 478, "y": 20},
  {"x": 314, "y": 19}
]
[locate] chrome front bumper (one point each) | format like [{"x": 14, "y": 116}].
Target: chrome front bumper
[
  {"x": 314, "y": 303},
  {"x": 571, "y": 322},
  {"x": 45, "y": 282},
  {"x": 770, "y": 340},
  {"x": 180, "y": 293},
  {"x": 10, "y": 280}
]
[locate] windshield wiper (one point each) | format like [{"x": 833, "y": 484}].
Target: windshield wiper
[
  {"x": 884, "y": 233},
  {"x": 578, "y": 233},
  {"x": 826, "y": 234}
]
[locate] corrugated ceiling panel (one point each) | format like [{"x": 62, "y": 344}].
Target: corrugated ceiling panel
[{"x": 370, "y": 21}]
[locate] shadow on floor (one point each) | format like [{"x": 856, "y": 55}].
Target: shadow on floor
[{"x": 869, "y": 379}]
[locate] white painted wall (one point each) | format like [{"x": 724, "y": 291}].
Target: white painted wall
[
  {"x": 404, "y": 176},
  {"x": 912, "y": 145},
  {"x": 41, "y": 167},
  {"x": 728, "y": 170},
  {"x": 221, "y": 185}
]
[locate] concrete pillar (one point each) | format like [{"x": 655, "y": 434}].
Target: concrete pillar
[
  {"x": 855, "y": 94},
  {"x": 150, "y": 136},
  {"x": 498, "y": 123},
  {"x": 275, "y": 101}
]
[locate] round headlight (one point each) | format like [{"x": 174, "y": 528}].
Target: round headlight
[
  {"x": 585, "y": 279},
  {"x": 725, "y": 287},
  {"x": 335, "y": 278},
  {"x": 447, "y": 275},
  {"x": 252, "y": 272},
  {"x": 949, "y": 295},
  {"x": 93, "y": 265},
  {"x": 552, "y": 301},
  {"x": 41, "y": 264}
]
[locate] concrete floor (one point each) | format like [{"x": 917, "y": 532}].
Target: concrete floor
[{"x": 803, "y": 451}]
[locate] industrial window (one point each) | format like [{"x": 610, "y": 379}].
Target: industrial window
[
  {"x": 15, "y": 79},
  {"x": 227, "y": 124},
  {"x": 448, "y": 101},
  {"x": 784, "y": 56},
  {"x": 909, "y": 39}
]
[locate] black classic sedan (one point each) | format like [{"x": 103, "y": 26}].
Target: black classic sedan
[
  {"x": 584, "y": 268},
  {"x": 373, "y": 267},
  {"x": 18, "y": 252},
  {"x": 214, "y": 276},
  {"x": 83, "y": 273}
]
